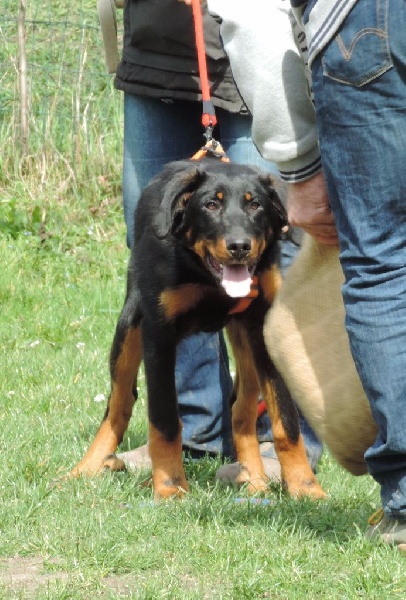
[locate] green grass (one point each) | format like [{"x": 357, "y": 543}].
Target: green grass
[{"x": 60, "y": 297}]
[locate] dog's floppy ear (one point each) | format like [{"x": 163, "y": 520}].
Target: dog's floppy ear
[
  {"x": 274, "y": 190},
  {"x": 175, "y": 199}
]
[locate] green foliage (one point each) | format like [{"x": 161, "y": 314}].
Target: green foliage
[
  {"x": 74, "y": 113},
  {"x": 13, "y": 221}
]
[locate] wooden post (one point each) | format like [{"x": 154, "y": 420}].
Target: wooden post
[{"x": 22, "y": 68}]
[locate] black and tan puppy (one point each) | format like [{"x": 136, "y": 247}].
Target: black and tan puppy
[{"x": 205, "y": 237}]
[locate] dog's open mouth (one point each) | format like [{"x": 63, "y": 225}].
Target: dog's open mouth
[{"x": 236, "y": 278}]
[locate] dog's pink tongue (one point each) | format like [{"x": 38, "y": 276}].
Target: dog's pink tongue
[{"x": 236, "y": 281}]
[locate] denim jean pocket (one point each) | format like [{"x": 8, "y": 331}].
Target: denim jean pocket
[{"x": 360, "y": 52}]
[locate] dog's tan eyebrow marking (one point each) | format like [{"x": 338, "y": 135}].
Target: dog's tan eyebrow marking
[
  {"x": 219, "y": 195},
  {"x": 248, "y": 196}
]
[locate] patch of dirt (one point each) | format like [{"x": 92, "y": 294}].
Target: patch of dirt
[{"x": 23, "y": 576}]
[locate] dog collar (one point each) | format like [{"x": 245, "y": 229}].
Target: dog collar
[
  {"x": 212, "y": 148},
  {"x": 244, "y": 303}
]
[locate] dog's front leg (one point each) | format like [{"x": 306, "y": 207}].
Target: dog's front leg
[
  {"x": 245, "y": 411},
  {"x": 165, "y": 429}
]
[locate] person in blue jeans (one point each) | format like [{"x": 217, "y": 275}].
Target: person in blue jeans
[
  {"x": 360, "y": 102},
  {"x": 356, "y": 193},
  {"x": 162, "y": 123}
]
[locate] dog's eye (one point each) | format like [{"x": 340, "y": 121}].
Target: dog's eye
[
  {"x": 212, "y": 205},
  {"x": 254, "y": 205}
]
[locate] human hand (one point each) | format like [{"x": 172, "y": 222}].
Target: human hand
[{"x": 309, "y": 208}]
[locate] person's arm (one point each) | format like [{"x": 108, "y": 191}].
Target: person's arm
[
  {"x": 270, "y": 73},
  {"x": 309, "y": 208}
]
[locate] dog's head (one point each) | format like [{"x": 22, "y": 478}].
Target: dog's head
[{"x": 228, "y": 214}]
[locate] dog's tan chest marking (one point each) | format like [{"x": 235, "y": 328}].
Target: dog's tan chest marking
[{"x": 180, "y": 300}]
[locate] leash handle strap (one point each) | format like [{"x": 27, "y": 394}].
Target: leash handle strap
[
  {"x": 106, "y": 10},
  {"x": 209, "y": 115}
]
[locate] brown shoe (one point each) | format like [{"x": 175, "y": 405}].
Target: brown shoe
[
  {"x": 389, "y": 531},
  {"x": 229, "y": 473},
  {"x": 137, "y": 459}
]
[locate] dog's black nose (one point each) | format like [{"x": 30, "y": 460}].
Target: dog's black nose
[{"x": 239, "y": 248}]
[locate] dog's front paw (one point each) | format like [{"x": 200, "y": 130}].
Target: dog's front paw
[
  {"x": 169, "y": 487},
  {"x": 256, "y": 481},
  {"x": 306, "y": 487}
]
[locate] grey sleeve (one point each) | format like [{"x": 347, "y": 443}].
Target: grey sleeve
[{"x": 270, "y": 73}]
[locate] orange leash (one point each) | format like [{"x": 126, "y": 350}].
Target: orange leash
[{"x": 209, "y": 119}]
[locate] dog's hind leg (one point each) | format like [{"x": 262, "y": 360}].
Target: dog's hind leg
[
  {"x": 125, "y": 359},
  {"x": 297, "y": 475}
]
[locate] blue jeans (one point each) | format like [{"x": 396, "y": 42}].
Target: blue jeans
[
  {"x": 360, "y": 100},
  {"x": 157, "y": 132}
]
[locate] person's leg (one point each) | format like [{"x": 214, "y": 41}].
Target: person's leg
[
  {"x": 235, "y": 137},
  {"x": 361, "y": 112},
  {"x": 155, "y": 133}
]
